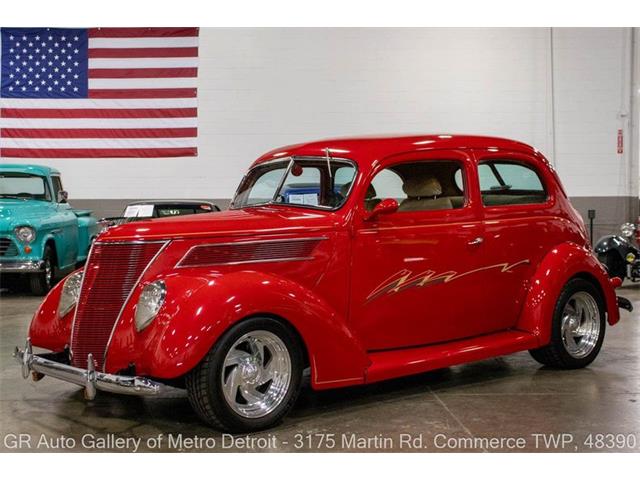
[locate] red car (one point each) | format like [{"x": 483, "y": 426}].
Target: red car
[{"x": 362, "y": 259}]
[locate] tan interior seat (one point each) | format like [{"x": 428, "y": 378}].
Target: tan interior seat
[{"x": 422, "y": 194}]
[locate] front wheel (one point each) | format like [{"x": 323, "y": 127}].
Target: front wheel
[
  {"x": 41, "y": 282},
  {"x": 250, "y": 379},
  {"x": 578, "y": 327}
]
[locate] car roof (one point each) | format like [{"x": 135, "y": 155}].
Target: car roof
[
  {"x": 28, "y": 168},
  {"x": 367, "y": 149}
]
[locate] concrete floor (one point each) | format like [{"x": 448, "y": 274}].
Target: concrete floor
[{"x": 510, "y": 401}]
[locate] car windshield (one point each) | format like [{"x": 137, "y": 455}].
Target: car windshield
[
  {"x": 308, "y": 182},
  {"x": 23, "y": 185}
]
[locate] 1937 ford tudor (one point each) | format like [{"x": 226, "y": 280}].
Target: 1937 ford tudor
[{"x": 362, "y": 259}]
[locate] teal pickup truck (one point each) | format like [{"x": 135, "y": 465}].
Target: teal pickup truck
[{"x": 41, "y": 236}]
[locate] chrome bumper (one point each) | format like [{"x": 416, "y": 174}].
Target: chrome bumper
[
  {"x": 21, "y": 266},
  {"x": 90, "y": 379}
]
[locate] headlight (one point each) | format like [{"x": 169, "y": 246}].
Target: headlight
[
  {"x": 628, "y": 229},
  {"x": 25, "y": 234},
  {"x": 151, "y": 300},
  {"x": 70, "y": 293}
]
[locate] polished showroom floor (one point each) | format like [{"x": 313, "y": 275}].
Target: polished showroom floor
[{"x": 503, "y": 400}]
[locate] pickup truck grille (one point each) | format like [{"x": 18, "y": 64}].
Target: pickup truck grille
[
  {"x": 111, "y": 273},
  {"x": 8, "y": 248}
]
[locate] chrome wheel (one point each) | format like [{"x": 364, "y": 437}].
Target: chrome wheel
[
  {"x": 48, "y": 272},
  {"x": 580, "y": 325},
  {"x": 256, "y": 374}
]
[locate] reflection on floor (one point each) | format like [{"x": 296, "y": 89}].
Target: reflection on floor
[{"x": 482, "y": 406}]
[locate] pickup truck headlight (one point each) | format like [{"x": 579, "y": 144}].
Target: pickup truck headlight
[
  {"x": 70, "y": 293},
  {"x": 25, "y": 234},
  {"x": 149, "y": 304}
]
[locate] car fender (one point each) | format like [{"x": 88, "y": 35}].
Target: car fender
[
  {"x": 562, "y": 263},
  {"x": 616, "y": 243},
  {"x": 47, "y": 329},
  {"x": 200, "y": 307}
]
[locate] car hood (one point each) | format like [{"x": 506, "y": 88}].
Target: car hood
[
  {"x": 22, "y": 212},
  {"x": 248, "y": 221}
]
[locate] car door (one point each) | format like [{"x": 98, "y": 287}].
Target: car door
[
  {"x": 417, "y": 277},
  {"x": 519, "y": 228},
  {"x": 66, "y": 228}
]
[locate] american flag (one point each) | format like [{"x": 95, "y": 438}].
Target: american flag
[{"x": 98, "y": 92}]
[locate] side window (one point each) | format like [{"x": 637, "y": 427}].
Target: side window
[
  {"x": 419, "y": 186},
  {"x": 509, "y": 183}
]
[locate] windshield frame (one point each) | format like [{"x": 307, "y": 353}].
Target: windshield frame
[
  {"x": 47, "y": 191},
  {"x": 290, "y": 160}
]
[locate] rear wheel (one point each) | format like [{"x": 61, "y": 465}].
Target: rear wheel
[
  {"x": 40, "y": 283},
  {"x": 250, "y": 379},
  {"x": 578, "y": 327}
]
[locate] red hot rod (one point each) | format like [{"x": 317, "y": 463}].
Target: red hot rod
[{"x": 362, "y": 259}]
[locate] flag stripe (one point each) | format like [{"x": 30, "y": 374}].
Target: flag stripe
[
  {"x": 143, "y": 52},
  {"x": 175, "y": 142},
  {"x": 143, "y": 42},
  {"x": 97, "y": 152},
  {"x": 144, "y": 93},
  {"x": 140, "y": 83},
  {"x": 99, "y": 103},
  {"x": 97, "y": 113},
  {"x": 189, "y": 122},
  {"x": 142, "y": 72},
  {"x": 98, "y": 132},
  {"x": 127, "y": 32},
  {"x": 179, "y": 62}
]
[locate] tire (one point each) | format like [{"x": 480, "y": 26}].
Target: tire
[
  {"x": 40, "y": 283},
  {"x": 230, "y": 389},
  {"x": 580, "y": 309}
]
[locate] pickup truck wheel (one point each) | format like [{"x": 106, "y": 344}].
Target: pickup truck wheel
[
  {"x": 41, "y": 282},
  {"x": 251, "y": 377},
  {"x": 578, "y": 327}
]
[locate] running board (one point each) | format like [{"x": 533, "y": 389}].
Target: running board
[{"x": 410, "y": 361}]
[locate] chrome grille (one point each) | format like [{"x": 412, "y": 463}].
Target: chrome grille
[
  {"x": 111, "y": 273},
  {"x": 8, "y": 248}
]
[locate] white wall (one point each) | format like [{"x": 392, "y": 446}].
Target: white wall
[
  {"x": 592, "y": 77},
  {"x": 263, "y": 88}
]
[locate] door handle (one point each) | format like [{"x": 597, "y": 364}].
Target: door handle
[{"x": 475, "y": 241}]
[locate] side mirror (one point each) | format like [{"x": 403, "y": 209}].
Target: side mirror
[
  {"x": 386, "y": 206},
  {"x": 63, "y": 196}
]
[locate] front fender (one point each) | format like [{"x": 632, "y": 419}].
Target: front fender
[
  {"x": 562, "y": 263},
  {"x": 200, "y": 307},
  {"x": 47, "y": 329},
  {"x": 614, "y": 243}
]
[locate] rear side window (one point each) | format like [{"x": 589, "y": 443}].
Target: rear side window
[{"x": 509, "y": 183}]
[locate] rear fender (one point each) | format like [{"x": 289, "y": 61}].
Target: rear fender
[
  {"x": 562, "y": 263},
  {"x": 200, "y": 307}
]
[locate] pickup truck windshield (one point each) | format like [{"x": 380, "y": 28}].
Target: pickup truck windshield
[
  {"x": 307, "y": 182},
  {"x": 26, "y": 186}
]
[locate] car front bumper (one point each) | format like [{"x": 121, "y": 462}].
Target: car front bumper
[
  {"x": 21, "y": 266},
  {"x": 90, "y": 379}
]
